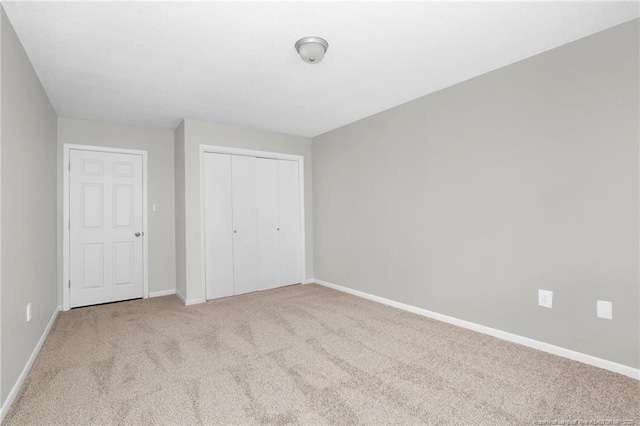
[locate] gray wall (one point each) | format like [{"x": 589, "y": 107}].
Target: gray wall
[
  {"x": 28, "y": 208},
  {"x": 467, "y": 201},
  {"x": 161, "y": 227},
  {"x": 198, "y": 133},
  {"x": 181, "y": 250}
]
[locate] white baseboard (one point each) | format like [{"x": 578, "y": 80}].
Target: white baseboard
[
  {"x": 188, "y": 302},
  {"x": 25, "y": 371},
  {"x": 162, "y": 293},
  {"x": 308, "y": 281},
  {"x": 525, "y": 341}
]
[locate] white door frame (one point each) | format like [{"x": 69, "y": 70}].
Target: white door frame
[
  {"x": 249, "y": 153},
  {"x": 66, "y": 254}
]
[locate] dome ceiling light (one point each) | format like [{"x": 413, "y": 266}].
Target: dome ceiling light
[{"x": 312, "y": 49}]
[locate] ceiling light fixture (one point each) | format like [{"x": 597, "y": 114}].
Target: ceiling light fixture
[{"x": 312, "y": 49}]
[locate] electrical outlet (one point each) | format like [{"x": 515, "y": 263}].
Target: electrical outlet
[
  {"x": 28, "y": 311},
  {"x": 156, "y": 207},
  {"x": 604, "y": 309},
  {"x": 545, "y": 298}
]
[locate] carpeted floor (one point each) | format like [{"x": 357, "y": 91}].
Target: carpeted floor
[{"x": 303, "y": 354}]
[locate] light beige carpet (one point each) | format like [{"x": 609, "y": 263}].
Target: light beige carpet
[{"x": 300, "y": 355}]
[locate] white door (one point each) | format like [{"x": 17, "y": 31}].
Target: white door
[
  {"x": 268, "y": 227},
  {"x": 245, "y": 224},
  {"x": 106, "y": 225},
  {"x": 218, "y": 225},
  {"x": 289, "y": 211}
]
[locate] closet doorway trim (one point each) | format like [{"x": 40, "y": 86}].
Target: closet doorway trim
[{"x": 249, "y": 153}]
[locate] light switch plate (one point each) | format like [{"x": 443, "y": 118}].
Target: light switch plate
[
  {"x": 604, "y": 309},
  {"x": 545, "y": 298}
]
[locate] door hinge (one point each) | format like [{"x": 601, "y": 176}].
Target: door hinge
[
  {"x": 69, "y": 165},
  {"x": 69, "y": 225},
  {"x": 69, "y": 283}
]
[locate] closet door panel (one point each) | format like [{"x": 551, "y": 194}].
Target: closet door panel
[
  {"x": 268, "y": 238},
  {"x": 289, "y": 212},
  {"x": 245, "y": 249},
  {"x": 218, "y": 225}
]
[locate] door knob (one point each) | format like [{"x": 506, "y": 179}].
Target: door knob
[{"x": 137, "y": 234}]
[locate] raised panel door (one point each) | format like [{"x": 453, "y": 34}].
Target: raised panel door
[{"x": 106, "y": 214}]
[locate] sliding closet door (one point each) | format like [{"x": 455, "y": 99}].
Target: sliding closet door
[
  {"x": 289, "y": 210},
  {"x": 245, "y": 224},
  {"x": 218, "y": 225},
  {"x": 268, "y": 229}
]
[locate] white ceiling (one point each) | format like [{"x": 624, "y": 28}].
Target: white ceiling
[{"x": 154, "y": 63}]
